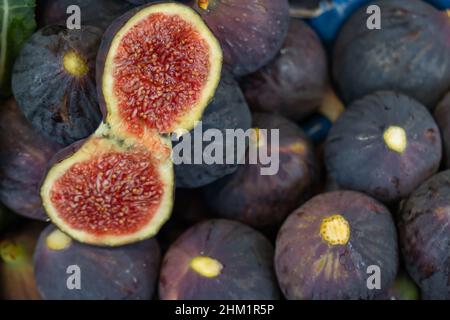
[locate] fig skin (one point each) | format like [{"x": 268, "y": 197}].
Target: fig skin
[
  {"x": 24, "y": 157},
  {"x": 300, "y": 249},
  {"x": 442, "y": 117},
  {"x": 227, "y": 110},
  {"x": 60, "y": 104},
  {"x": 246, "y": 49},
  {"x": 264, "y": 201},
  {"x": 126, "y": 273},
  {"x": 16, "y": 262},
  {"x": 424, "y": 236},
  {"x": 358, "y": 157},
  {"x": 98, "y": 13},
  {"x": 294, "y": 83},
  {"x": 246, "y": 257},
  {"x": 410, "y": 54}
]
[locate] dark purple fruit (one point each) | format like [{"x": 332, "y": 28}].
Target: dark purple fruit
[
  {"x": 54, "y": 82},
  {"x": 99, "y": 13},
  {"x": 325, "y": 248},
  {"x": 442, "y": 117},
  {"x": 425, "y": 236},
  {"x": 409, "y": 54},
  {"x": 125, "y": 273},
  {"x": 227, "y": 111},
  {"x": 251, "y": 32},
  {"x": 295, "y": 82},
  {"x": 24, "y": 157},
  {"x": 17, "y": 281},
  {"x": 264, "y": 200},
  {"x": 219, "y": 259},
  {"x": 385, "y": 145}
]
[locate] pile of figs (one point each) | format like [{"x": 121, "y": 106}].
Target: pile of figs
[{"x": 123, "y": 174}]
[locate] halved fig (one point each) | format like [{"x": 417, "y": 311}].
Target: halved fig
[
  {"x": 158, "y": 67},
  {"x": 110, "y": 190}
]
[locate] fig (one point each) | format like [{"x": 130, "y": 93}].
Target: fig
[
  {"x": 69, "y": 270},
  {"x": 108, "y": 190},
  {"x": 17, "y": 281},
  {"x": 325, "y": 248},
  {"x": 99, "y": 13},
  {"x": 264, "y": 200},
  {"x": 219, "y": 259},
  {"x": 409, "y": 54},
  {"x": 24, "y": 156},
  {"x": 157, "y": 69},
  {"x": 227, "y": 111},
  {"x": 295, "y": 82},
  {"x": 251, "y": 32},
  {"x": 425, "y": 236},
  {"x": 53, "y": 82},
  {"x": 442, "y": 117},
  {"x": 385, "y": 145}
]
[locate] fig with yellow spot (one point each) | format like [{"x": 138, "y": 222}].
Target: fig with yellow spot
[
  {"x": 219, "y": 260},
  {"x": 69, "y": 270},
  {"x": 339, "y": 245},
  {"x": 385, "y": 145},
  {"x": 53, "y": 82}
]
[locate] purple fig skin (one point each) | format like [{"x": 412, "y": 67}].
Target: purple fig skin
[
  {"x": 424, "y": 228},
  {"x": 294, "y": 83},
  {"x": 99, "y": 13},
  {"x": 264, "y": 201},
  {"x": 24, "y": 157},
  {"x": 125, "y": 273},
  {"x": 246, "y": 257},
  {"x": 309, "y": 267},
  {"x": 251, "y": 32}
]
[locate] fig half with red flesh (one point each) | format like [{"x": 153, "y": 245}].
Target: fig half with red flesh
[
  {"x": 109, "y": 190},
  {"x": 158, "y": 67}
]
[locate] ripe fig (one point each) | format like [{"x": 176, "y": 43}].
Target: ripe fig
[
  {"x": 69, "y": 270},
  {"x": 325, "y": 248},
  {"x": 425, "y": 236},
  {"x": 53, "y": 82},
  {"x": 295, "y": 82},
  {"x": 264, "y": 200},
  {"x": 251, "y": 32},
  {"x": 110, "y": 191},
  {"x": 385, "y": 145},
  {"x": 410, "y": 54},
  {"x": 24, "y": 157},
  {"x": 219, "y": 259},
  {"x": 158, "y": 68}
]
